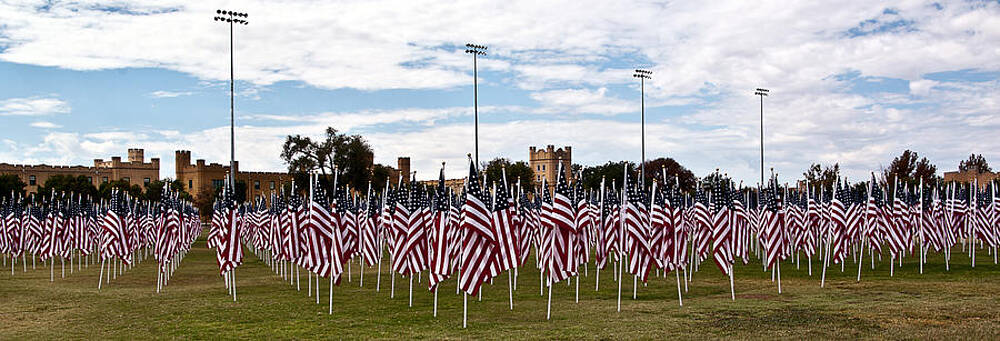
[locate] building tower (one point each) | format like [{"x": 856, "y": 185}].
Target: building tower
[
  {"x": 545, "y": 163},
  {"x": 403, "y": 164}
]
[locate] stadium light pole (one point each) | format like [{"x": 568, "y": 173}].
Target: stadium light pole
[
  {"x": 762, "y": 93},
  {"x": 643, "y": 75},
  {"x": 231, "y": 17},
  {"x": 476, "y": 51}
]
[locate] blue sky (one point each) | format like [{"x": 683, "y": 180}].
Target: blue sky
[{"x": 854, "y": 82}]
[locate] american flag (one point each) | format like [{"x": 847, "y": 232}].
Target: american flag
[
  {"x": 661, "y": 225},
  {"x": 113, "y": 229},
  {"x": 527, "y": 226},
  {"x": 995, "y": 207},
  {"x": 772, "y": 228},
  {"x": 31, "y": 224},
  {"x": 169, "y": 233},
  {"x": 479, "y": 245},
  {"x": 609, "y": 240},
  {"x": 562, "y": 262},
  {"x": 838, "y": 223},
  {"x": 347, "y": 219},
  {"x": 13, "y": 227},
  {"x": 983, "y": 220},
  {"x": 701, "y": 224},
  {"x": 874, "y": 215},
  {"x": 681, "y": 227},
  {"x": 583, "y": 220},
  {"x": 805, "y": 238},
  {"x": 411, "y": 241},
  {"x": 898, "y": 223},
  {"x": 324, "y": 239},
  {"x": 931, "y": 218},
  {"x": 507, "y": 237},
  {"x": 370, "y": 248},
  {"x": 722, "y": 229},
  {"x": 230, "y": 250},
  {"x": 740, "y": 226},
  {"x": 440, "y": 243},
  {"x": 635, "y": 218},
  {"x": 400, "y": 217}
]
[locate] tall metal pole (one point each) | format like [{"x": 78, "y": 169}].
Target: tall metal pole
[
  {"x": 475, "y": 100},
  {"x": 475, "y": 50},
  {"x": 232, "y": 17},
  {"x": 642, "y": 100},
  {"x": 232, "y": 112},
  {"x": 642, "y": 75},
  {"x": 761, "y": 92}
]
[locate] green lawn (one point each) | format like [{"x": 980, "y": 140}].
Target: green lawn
[{"x": 961, "y": 303}]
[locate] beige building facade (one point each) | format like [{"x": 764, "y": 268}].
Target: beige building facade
[
  {"x": 545, "y": 163},
  {"x": 134, "y": 170}
]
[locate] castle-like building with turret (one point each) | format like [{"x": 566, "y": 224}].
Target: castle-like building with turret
[
  {"x": 200, "y": 176},
  {"x": 135, "y": 170},
  {"x": 545, "y": 163}
]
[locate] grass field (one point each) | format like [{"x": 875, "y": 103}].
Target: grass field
[{"x": 963, "y": 303}]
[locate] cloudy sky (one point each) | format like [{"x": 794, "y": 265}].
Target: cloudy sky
[{"x": 854, "y": 82}]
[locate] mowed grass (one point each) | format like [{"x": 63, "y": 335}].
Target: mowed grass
[{"x": 962, "y": 303}]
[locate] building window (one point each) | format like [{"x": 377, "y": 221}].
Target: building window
[
  {"x": 127, "y": 179},
  {"x": 31, "y": 180},
  {"x": 190, "y": 184},
  {"x": 538, "y": 167},
  {"x": 217, "y": 183},
  {"x": 256, "y": 184},
  {"x": 104, "y": 180},
  {"x": 543, "y": 167},
  {"x": 90, "y": 179},
  {"x": 145, "y": 181},
  {"x": 272, "y": 185}
]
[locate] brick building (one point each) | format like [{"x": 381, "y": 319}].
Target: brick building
[
  {"x": 545, "y": 163},
  {"x": 134, "y": 170},
  {"x": 201, "y": 176},
  {"x": 453, "y": 184},
  {"x": 968, "y": 176}
]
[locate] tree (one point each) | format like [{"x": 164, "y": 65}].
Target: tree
[
  {"x": 822, "y": 176},
  {"x": 517, "y": 172},
  {"x": 380, "y": 174},
  {"x": 205, "y": 202},
  {"x": 657, "y": 167},
  {"x": 11, "y": 184},
  {"x": 611, "y": 173},
  {"x": 240, "y": 191},
  {"x": 708, "y": 182},
  {"x": 350, "y": 156},
  {"x": 154, "y": 190},
  {"x": 975, "y": 163},
  {"x": 909, "y": 168},
  {"x": 106, "y": 188},
  {"x": 68, "y": 184}
]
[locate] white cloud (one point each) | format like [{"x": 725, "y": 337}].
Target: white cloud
[
  {"x": 169, "y": 94},
  {"x": 567, "y": 54},
  {"x": 412, "y": 44},
  {"x": 33, "y": 106},
  {"x": 921, "y": 87},
  {"x": 581, "y": 101},
  {"x": 45, "y": 125}
]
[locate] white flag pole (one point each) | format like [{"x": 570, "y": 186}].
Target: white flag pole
[
  {"x": 335, "y": 257},
  {"x": 99, "y": 278}
]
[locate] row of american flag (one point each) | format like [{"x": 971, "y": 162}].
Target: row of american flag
[
  {"x": 493, "y": 227},
  {"x": 119, "y": 232}
]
